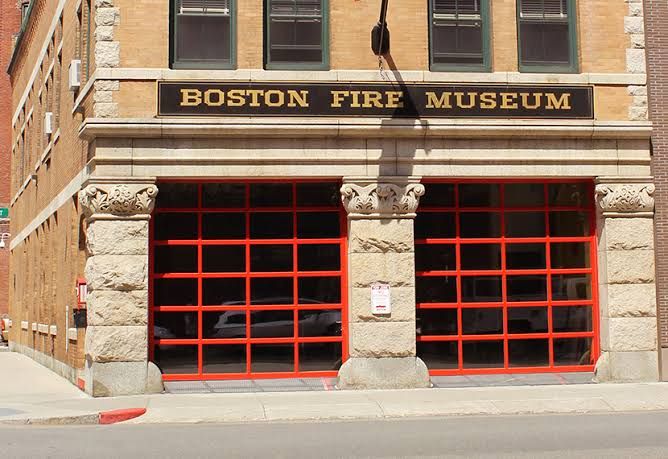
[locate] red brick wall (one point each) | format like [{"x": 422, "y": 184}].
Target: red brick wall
[
  {"x": 10, "y": 16},
  {"x": 656, "y": 32}
]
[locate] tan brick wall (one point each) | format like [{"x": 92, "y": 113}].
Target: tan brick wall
[{"x": 602, "y": 39}]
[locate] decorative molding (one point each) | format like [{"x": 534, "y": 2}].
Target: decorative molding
[
  {"x": 114, "y": 200},
  {"x": 625, "y": 199},
  {"x": 382, "y": 199}
]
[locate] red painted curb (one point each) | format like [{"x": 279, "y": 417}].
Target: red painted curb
[{"x": 112, "y": 417}]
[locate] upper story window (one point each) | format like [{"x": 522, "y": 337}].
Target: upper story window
[
  {"x": 296, "y": 34},
  {"x": 459, "y": 35},
  {"x": 203, "y": 33},
  {"x": 547, "y": 40}
]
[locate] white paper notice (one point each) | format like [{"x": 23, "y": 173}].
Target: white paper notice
[{"x": 381, "y": 301}]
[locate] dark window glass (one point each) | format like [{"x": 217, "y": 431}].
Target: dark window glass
[
  {"x": 272, "y": 291},
  {"x": 177, "y": 196},
  {"x": 271, "y": 258},
  {"x": 570, "y": 194},
  {"x": 438, "y": 195},
  {"x": 315, "y": 225},
  {"x": 482, "y": 321},
  {"x": 527, "y": 288},
  {"x": 481, "y": 289},
  {"x": 529, "y": 353},
  {"x": 230, "y": 358},
  {"x": 434, "y": 257},
  {"x": 436, "y": 289},
  {"x": 272, "y": 324},
  {"x": 573, "y": 351},
  {"x": 318, "y": 195},
  {"x": 176, "y": 226},
  {"x": 175, "y": 292},
  {"x": 320, "y": 356},
  {"x": 319, "y": 257},
  {"x": 314, "y": 290},
  {"x": 432, "y": 322},
  {"x": 571, "y": 287},
  {"x": 479, "y": 195},
  {"x": 320, "y": 322},
  {"x": 218, "y": 292},
  {"x": 272, "y": 358},
  {"x": 271, "y": 225},
  {"x": 572, "y": 319},
  {"x": 223, "y": 226},
  {"x": 271, "y": 195},
  {"x": 524, "y": 195},
  {"x": 570, "y": 255},
  {"x": 483, "y": 354},
  {"x": 525, "y": 224},
  {"x": 527, "y": 320},
  {"x": 175, "y": 259},
  {"x": 480, "y": 224},
  {"x": 480, "y": 256},
  {"x": 544, "y": 32},
  {"x": 224, "y": 324},
  {"x": 175, "y": 325},
  {"x": 176, "y": 359},
  {"x": 435, "y": 225},
  {"x": 224, "y": 258},
  {"x": 525, "y": 256},
  {"x": 439, "y": 355},
  {"x": 203, "y": 31},
  {"x": 224, "y": 195},
  {"x": 457, "y": 32},
  {"x": 295, "y": 32},
  {"x": 567, "y": 224}
]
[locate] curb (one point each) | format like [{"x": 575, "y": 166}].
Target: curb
[{"x": 101, "y": 418}]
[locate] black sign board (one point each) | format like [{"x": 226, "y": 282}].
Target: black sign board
[{"x": 374, "y": 100}]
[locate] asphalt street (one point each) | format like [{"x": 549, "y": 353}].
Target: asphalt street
[{"x": 592, "y": 436}]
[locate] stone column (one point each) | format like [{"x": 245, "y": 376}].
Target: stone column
[
  {"x": 381, "y": 212},
  {"x": 626, "y": 280},
  {"x": 117, "y": 214}
]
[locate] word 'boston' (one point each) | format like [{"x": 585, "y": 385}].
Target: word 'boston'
[{"x": 396, "y": 101}]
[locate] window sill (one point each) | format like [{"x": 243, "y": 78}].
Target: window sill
[
  {"x": 548, "y": 69},
  {"x": 296, "y": 66},
  {"x": 219, "y": 65}
]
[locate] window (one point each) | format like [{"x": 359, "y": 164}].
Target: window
[
  {"x": 460, "y": 35},
  {"x": 248, "y": 279},
  {"x": 547, "y": 35},
  {"x": 506, "y": 277},
  {"x": 203, "y": 34},
  {"x": 296, "y": 34}
]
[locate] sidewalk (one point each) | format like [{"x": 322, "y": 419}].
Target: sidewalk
[{"x": 31, "y": 394}]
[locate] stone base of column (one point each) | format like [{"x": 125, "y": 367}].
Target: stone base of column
[
  {"x": 664, "y": 364},
  {"x": 634, "y": 366},
  {"x": 112, "y": 379},
  {"x": 383, "y": 373}
]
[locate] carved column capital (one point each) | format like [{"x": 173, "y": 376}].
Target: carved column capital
[
  {"x": 381, "y": 198},
  {"x": 120, "y": 198},
  {"x": 618, "y": 197}
]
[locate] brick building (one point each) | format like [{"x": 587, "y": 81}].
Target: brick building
[
  {"x": 10, "y": 16},
  {"x": 657, "y": 52},
  {"x": 243, "y": 190}
]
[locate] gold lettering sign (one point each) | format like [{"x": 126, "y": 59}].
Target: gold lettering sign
[{"x": 374, "y": 100}]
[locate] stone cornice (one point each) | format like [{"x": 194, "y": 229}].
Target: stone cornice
[
  {"x": 111, "y": 198},
  {"x": 619, "y": 197},
  {"x": 381, "y": 198}
]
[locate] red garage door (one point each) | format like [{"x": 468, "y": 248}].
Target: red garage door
[
  {"x": 248, "y": 280},
  {"x": 506, "y": 277}
]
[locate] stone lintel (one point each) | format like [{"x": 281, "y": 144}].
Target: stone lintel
[
  {"x": 381, "y": 197},
  {"x": 118, "y": 198},
  {"x": 621, "y": 197}
]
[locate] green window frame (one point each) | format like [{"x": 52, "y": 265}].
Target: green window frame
[
  {"x": 552, "y": 14},
  {"x": 452, "y": 13},
  {"x": 205, "y": 9},
  {"x": 298, "y": 15}
]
